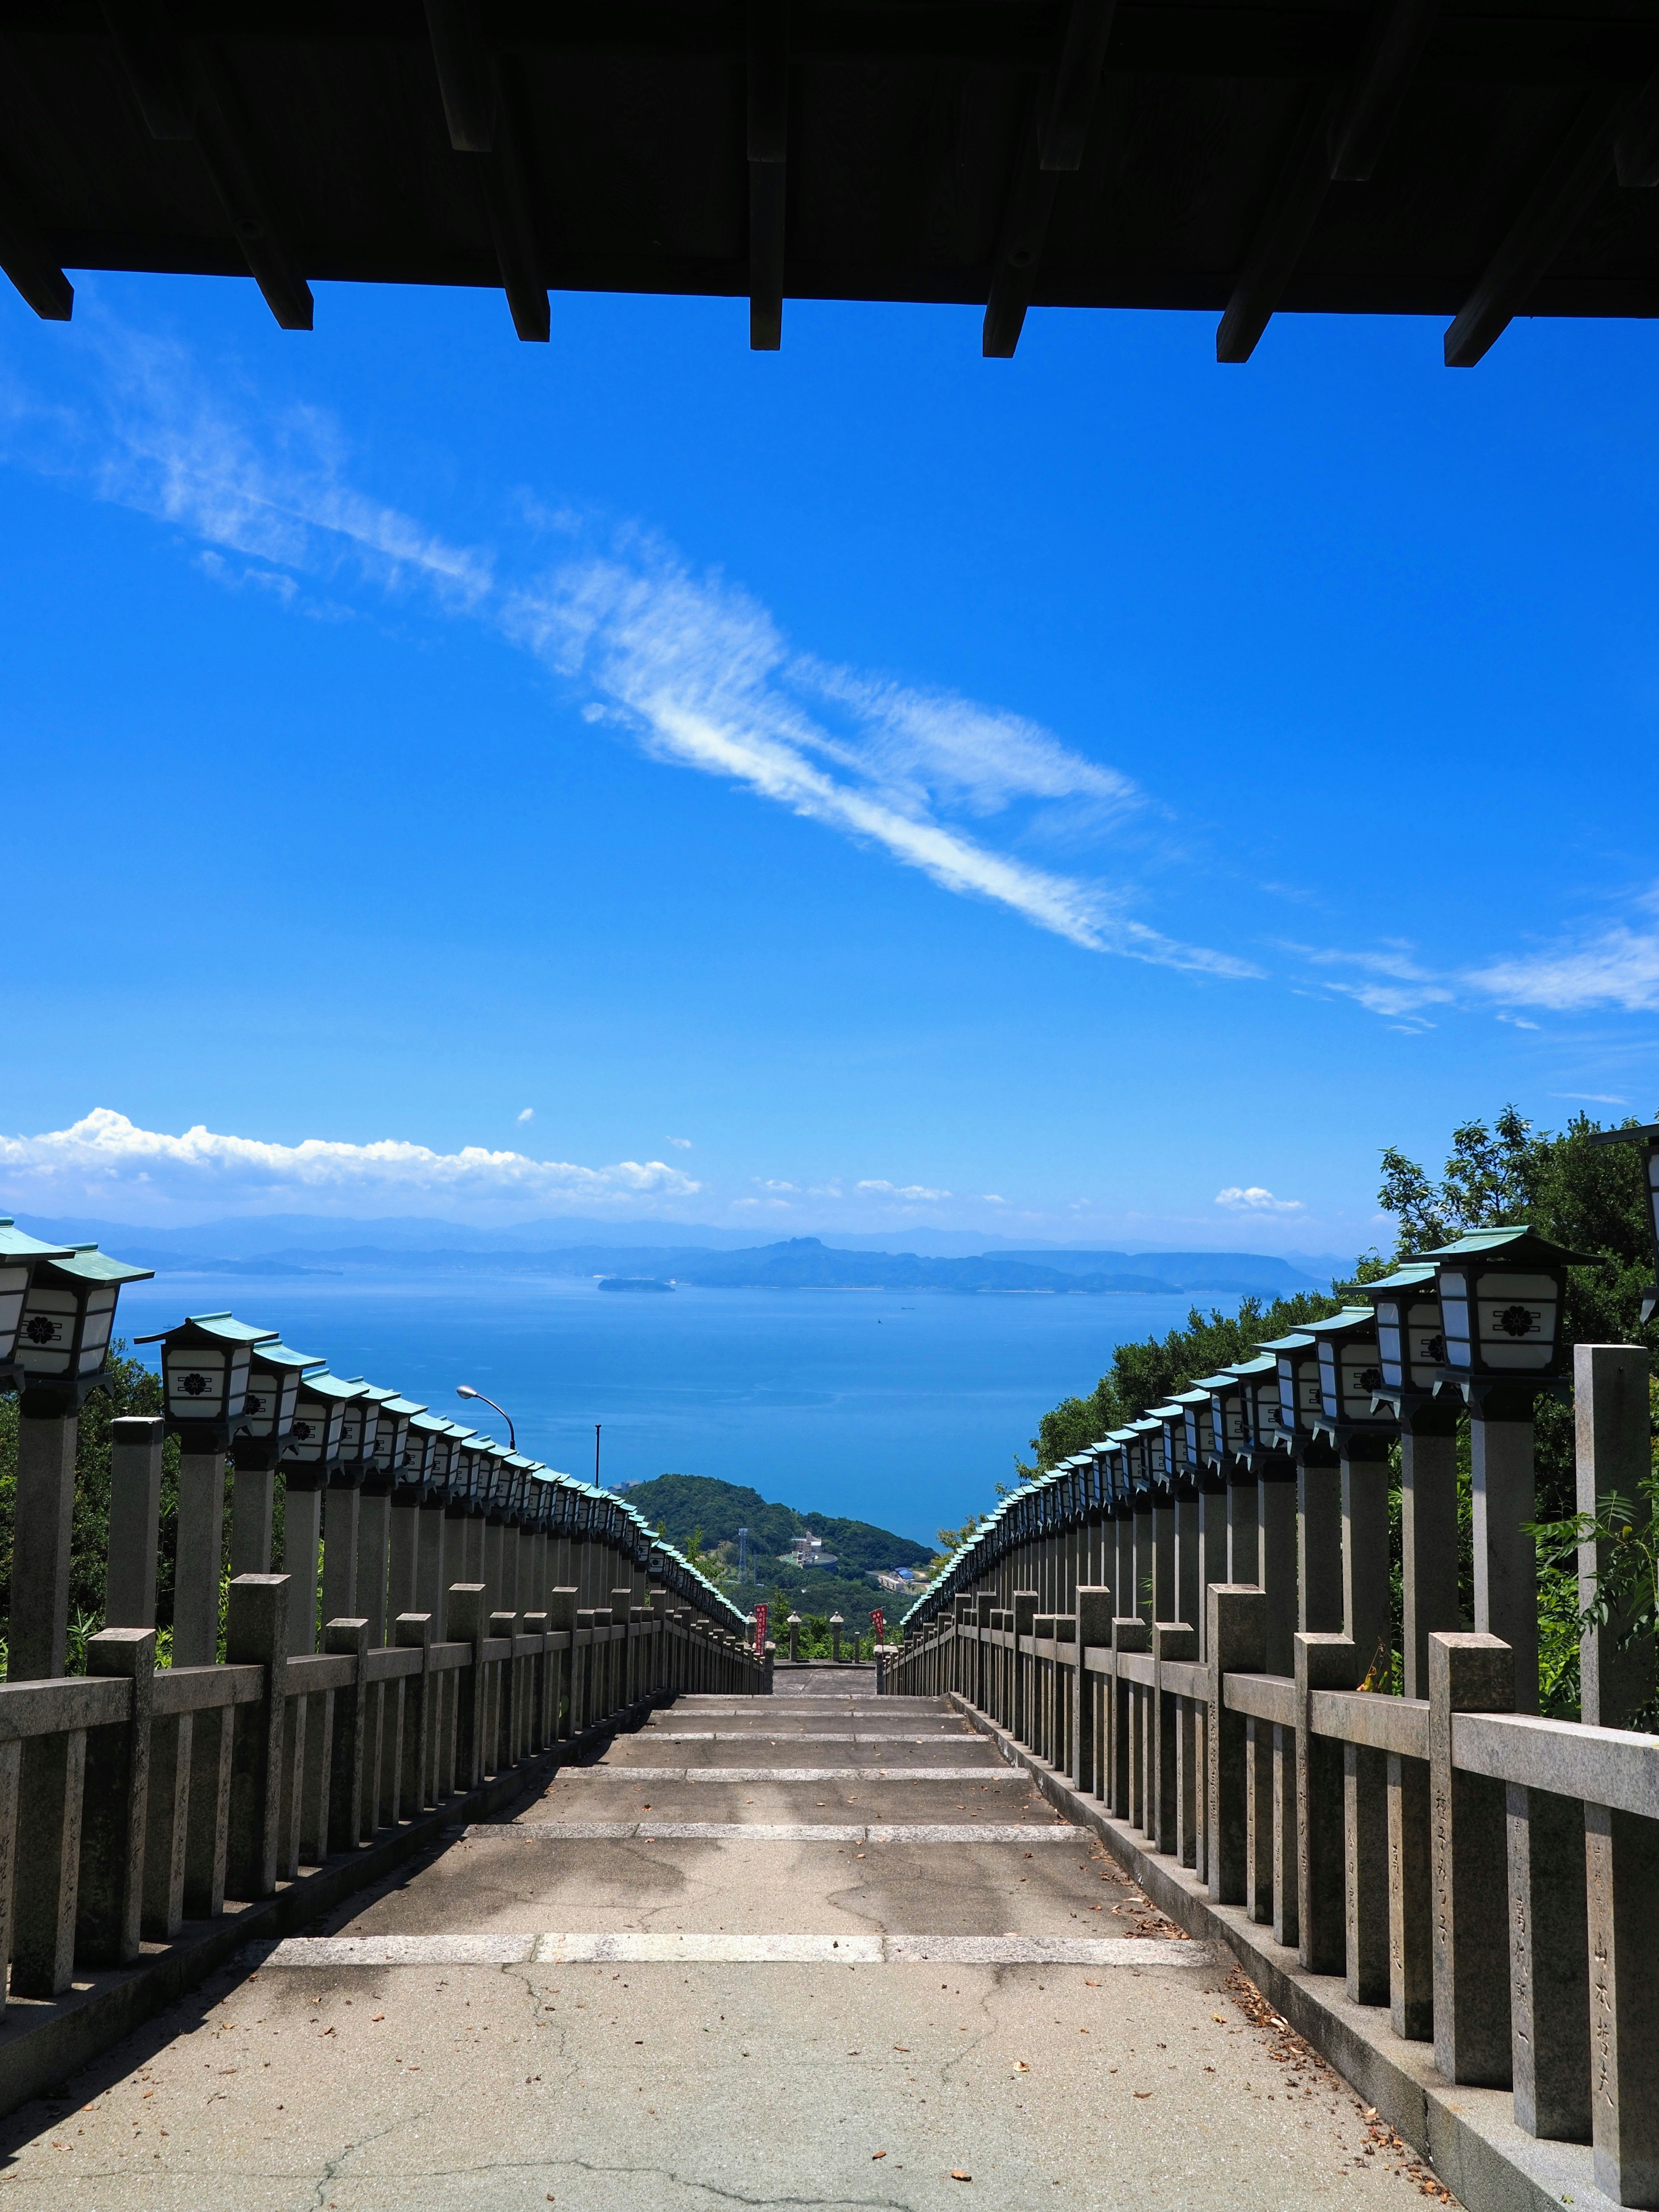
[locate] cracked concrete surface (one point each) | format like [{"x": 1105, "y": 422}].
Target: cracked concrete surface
[{"x": 649, "y": 2088}]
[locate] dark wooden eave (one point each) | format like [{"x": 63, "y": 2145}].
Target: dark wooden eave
[{"x": 1472, "y": 161}]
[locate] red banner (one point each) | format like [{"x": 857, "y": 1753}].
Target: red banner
[
  {"x": 876, "y": 1623},
  {"x": 760, "y": 1631}
]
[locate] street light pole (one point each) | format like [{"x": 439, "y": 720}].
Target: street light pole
[
  {"x": 466, "y": 1390},
  {"x": 596, "y": 1454}
]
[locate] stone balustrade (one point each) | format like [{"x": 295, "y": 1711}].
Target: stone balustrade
[
  {"x": 139, "y": 1798},
  {"x": 1485, "y": 1879}
]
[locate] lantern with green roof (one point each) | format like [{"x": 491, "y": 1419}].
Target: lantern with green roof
[
  {"x": 204, "y": 1377},
  {"x": 1350, "y": 1376},
  {"x": 1198, "y": 1412},
  {"x": 1410, "y": 1347},
  {"x": 1296, "y": 1356},
  {"x": 393, "y": 1413},
  {"x": 1264, "y": 1433},
  {"x": 1170, "y": 1449},
  {"x": 1501, "y": 1294},
  {"x": 1226, "y": 1394},
  {"x": 64, "y": 1329},
  {"x": 317, "y": 1443},
  {"x": 427, "y": 1440},
  {"x": 274, "y": 1373},
  {"x": 18, "y": 1255}
]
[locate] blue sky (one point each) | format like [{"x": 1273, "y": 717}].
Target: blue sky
[{"x": 1097, "y": 796}]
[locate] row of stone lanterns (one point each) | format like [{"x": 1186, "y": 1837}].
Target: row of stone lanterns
[
  {"x": 401, "y": 1501},
  {"x": 1274, "y": 1471}
]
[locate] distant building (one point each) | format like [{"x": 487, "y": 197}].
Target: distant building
[
  {"x": 809, "y": 1551},
  {"x": 900, "y": 1578}
]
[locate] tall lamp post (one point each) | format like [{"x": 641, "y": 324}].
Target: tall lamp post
[{"x": 466, "y": 1390}]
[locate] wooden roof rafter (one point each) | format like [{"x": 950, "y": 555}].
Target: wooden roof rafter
[{"x": 1476, "y": 159}]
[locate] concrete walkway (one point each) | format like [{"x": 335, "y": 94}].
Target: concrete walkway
[{"x": 726, "y": 1967}]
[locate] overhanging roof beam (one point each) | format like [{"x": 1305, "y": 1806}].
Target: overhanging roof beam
[
  {"x": 1298, "y": 195},
  {"x": 1582, "y": 165},
  {"x": 1394, "y": 45},
  {"x": 1340, "y": 137},
  {"x": 768, "y": 148},
  {"x": 466, "y": 82},
  {"x": 1077, "y": 81},
  {"x": 28, "y": 260},
  {"x": 185, "y": 91},
  {"x": 482, "y": 121},
  {"x": 505, "y": 176}
]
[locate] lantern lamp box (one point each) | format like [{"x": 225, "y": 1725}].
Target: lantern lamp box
[
  {"x": 1350, "y": 1376},
  {"x": 1412, "y": 1350},
  {"x": 65, "y": 1330},
  {"x": 359, "y": 1431},
  {"x": 204, "y": 1377},
  {"x": 1259, "y": 1402},
  {"x": 425, "y": 1447},
  {"x": 1297, "y": 1358},
  {"x": 18, "y": 1255},
  {"x": 275, "y": 1372},
  {"x": 311, "y": 1455},
  {"x": 394, "y": 1414},
  {"x": 1501, "y": 1294}
]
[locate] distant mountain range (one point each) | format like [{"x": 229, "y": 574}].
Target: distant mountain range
[{"x": 298, "y": 1246}]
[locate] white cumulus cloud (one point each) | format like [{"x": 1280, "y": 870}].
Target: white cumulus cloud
[
  {"x": 912, "y": 1190},
  {"x": 104, "y": 1153},
  {"x": 1253, "y": 1199}
]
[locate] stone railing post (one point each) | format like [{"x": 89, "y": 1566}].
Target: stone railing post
[
  {"x": 1023, "y": 1621},
  {"x": 1171, "y": 1639},
  {"x": 1323, "y": 1661},
  {"x": 110, "y": 1896},
  {"x": 562, "y": 1667},
  {"x": 1130, "y": 1633},
  {"x": 135, "y": 1519},
  {"x": 256, "y": 1635},
  {"x": 44, "y": 1508},
  {"x": 302, "y": 1534},
  {"x": 1503, "y": 1498},
  {"x": 417, "y": 1783},
  {"x": 1622, "y": 1860},
  {"x": 199, "y": 1562},
  {"x": 467, "y": 1625},
  {"x": 505, "y": 1701},
  {"x": 1469, "y": 1674},
  {"x": 1610, "y": 1412},
  {"x": 1237, "y": 1644},
  {"x": 347, "y": 1638},
  {"x": 1094, "y": 1632}
]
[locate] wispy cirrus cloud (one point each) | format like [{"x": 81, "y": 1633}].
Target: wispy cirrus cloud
[
  {"x": 699, "y": 670},
  {"x": 1582, "y": 973},
  {"x": 104, "y": 1153},
  {"x": 1617, "y": 967},
  {"x": 693, "y": 667}
]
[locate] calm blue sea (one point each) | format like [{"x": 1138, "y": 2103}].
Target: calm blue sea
[{"x": 900, "y": 1408}]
